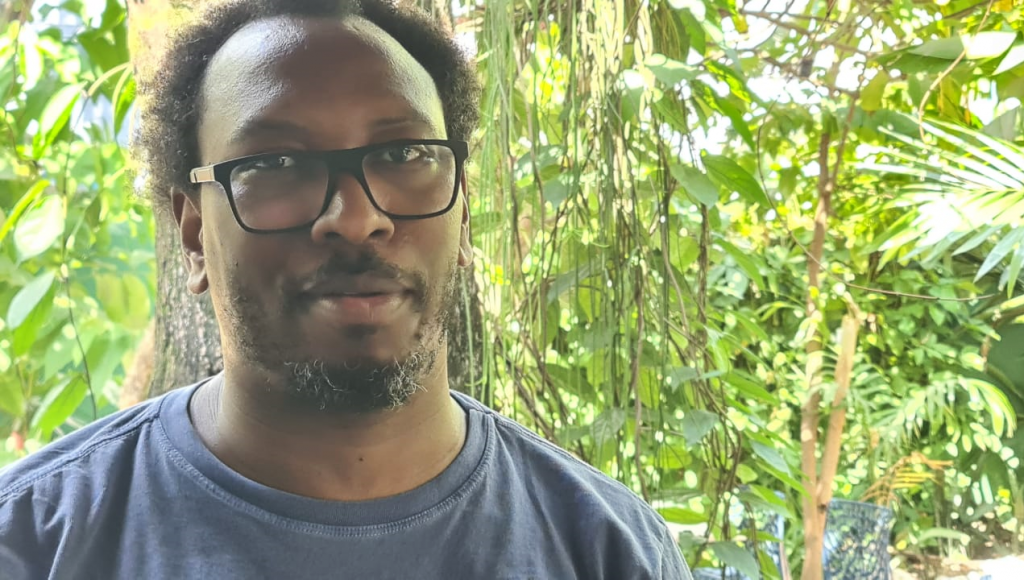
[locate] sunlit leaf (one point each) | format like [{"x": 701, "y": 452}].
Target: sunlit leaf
[
  {"x": 55, "y": 117},
  {"x": 39, "y": 227},
  {"x": 1001, "y": 250},
  {"x": 1013, "y": 59},
  {"x": 697, "y": 184},
  {"x": 871, "y": 96},
  {"x": 671, "y": 72},
  {"x": 730, "y": 175},
  {"x": 27, "y": 298},
  {"x": 57, "y": 406},
  {"x": 26, "y": 200}
]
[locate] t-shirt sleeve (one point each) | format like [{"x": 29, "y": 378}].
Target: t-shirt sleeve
[{"x": 672, "y": 565}]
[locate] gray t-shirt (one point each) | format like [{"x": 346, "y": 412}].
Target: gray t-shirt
[{"x": 137, "y": 495}]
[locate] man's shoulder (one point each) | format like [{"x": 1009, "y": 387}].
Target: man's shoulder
[
  {"x": 87, "y": 451},
  {"x": 557, "y": 474}
]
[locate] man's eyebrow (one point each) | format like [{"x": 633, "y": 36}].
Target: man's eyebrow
[
  {"x": 412, "y": 119},
  {"x": 255, "y": 127},
  {"x": 277, "y": 127}
]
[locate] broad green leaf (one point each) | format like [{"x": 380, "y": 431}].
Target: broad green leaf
[
  {"x": 696, "y": 184},
  {"x": 746, "y": 262},
  {"x": 58, "y": 405},
  {"x": 988, "y": 44},
  {"x": 27, "y": 298},
  {"x": 682, "y": 516},
  {"x": 606, "y": 426},
  {"x": 735, "y": 556},
  {"x": 773, "y": 457},
  {"x": 55, "y": 117},
  {"x": 694, "y": 29},
  {"x": 680, "y": 375},
  {"x": 39, "y": 227},
  {"x": 113, "y": 296},
  {"x": 871, "y": 96},
  {"x": 139, "y": 307},
  {"x": 697, "y": 423},
  {"x": 749, "y": 387},
  {"x": 746, "y": 474},
  {"x": 739, "y": 124},
  {"x": 26, "y": 200},
  {"x": 1013, "y": 59},
  {"x": 668, "y": 71},
  {"x": 944, "y": 48},
  {"x": 974, "y": 46},
  {"x": 730, "y": 175}
]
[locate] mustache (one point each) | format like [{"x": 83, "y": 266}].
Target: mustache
[{"x": 365, "y": 262}]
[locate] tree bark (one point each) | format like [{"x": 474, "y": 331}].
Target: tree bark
[
  {"x": 814, "y": 514},
  {"x": 185, "y": 339}
]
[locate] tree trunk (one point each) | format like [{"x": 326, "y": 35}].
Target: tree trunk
[{"x": 183, "y": 345}]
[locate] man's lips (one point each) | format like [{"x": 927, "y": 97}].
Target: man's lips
[
  {"x": 361, "y": 300},
  {"x": 359, "y": 285}
]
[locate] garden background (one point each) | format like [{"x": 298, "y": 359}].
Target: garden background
[{"x": 765, "y": 250}]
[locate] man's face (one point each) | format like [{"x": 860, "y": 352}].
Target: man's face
[{"x": 300, "y": 302}]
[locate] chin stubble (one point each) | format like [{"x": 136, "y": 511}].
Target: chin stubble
[{"x": 361, "y": 387}]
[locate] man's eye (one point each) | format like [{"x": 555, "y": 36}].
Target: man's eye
[
  {"x": 270, "y": 163},
  {"x": 404, "y": 154}
]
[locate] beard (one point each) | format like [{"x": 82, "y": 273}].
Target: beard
[{"x": 353, "y": 385}]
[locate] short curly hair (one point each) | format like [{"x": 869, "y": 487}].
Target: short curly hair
[{"x": 170, "y": 98}]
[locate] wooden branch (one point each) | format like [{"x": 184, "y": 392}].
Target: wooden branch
[
  {"x": 814, "y": 517},
  {"x": 826, "y": 41},
  {"x": 837, "y": 417}
]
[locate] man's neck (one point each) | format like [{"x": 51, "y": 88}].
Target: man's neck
[{"x": 264, "y": 436}]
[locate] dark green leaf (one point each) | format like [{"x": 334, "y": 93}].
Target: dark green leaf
[
  {"x": 697, "y": 423},
  {"x": 668, "y": 71},
  {"x": 729, "y": 174},
  {"x": 696, "y": 184},
  {"x": 606, "y": 426},
  {"x": 737, "y": 557},
  {"x": 770, "y": 455},
  {"x": 58, "y": 404}
]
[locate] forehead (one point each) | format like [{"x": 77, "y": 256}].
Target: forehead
[{"x": 334, "y": 79}]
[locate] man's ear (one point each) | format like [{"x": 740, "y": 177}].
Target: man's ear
[
  {"x": 189, "y": 218},
  {"x": 465, "y": 243}
]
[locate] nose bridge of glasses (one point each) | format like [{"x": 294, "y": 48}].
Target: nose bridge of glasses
[{"x": 346, "y": 179}]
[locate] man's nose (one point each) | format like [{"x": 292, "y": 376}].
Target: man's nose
[{"x": 351, "y": 215}]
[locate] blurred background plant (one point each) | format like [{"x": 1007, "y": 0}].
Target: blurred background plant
[{"x": 676, "y": 203}]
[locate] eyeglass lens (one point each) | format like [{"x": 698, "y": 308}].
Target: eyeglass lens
[{"x": 280, "y": 191}]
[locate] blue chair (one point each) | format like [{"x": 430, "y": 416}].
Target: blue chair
[{"x": 857, "y": 541}]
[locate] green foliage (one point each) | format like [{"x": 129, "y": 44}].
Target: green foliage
[
  {"x": 645, "y": 188},
  {"x": 651, "y": 315},
  {"x": 77, "y": 271}
]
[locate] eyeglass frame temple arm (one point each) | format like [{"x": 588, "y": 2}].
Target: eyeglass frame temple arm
[{"x": 201, "y": 175}]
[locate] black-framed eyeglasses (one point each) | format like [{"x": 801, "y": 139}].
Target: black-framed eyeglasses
[{"x": 405, "y": 179}]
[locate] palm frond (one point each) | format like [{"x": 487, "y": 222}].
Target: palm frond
[{"x": 961, "y": 184}]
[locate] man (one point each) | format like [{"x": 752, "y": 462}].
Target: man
[{"x": 312, "y": 155}]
